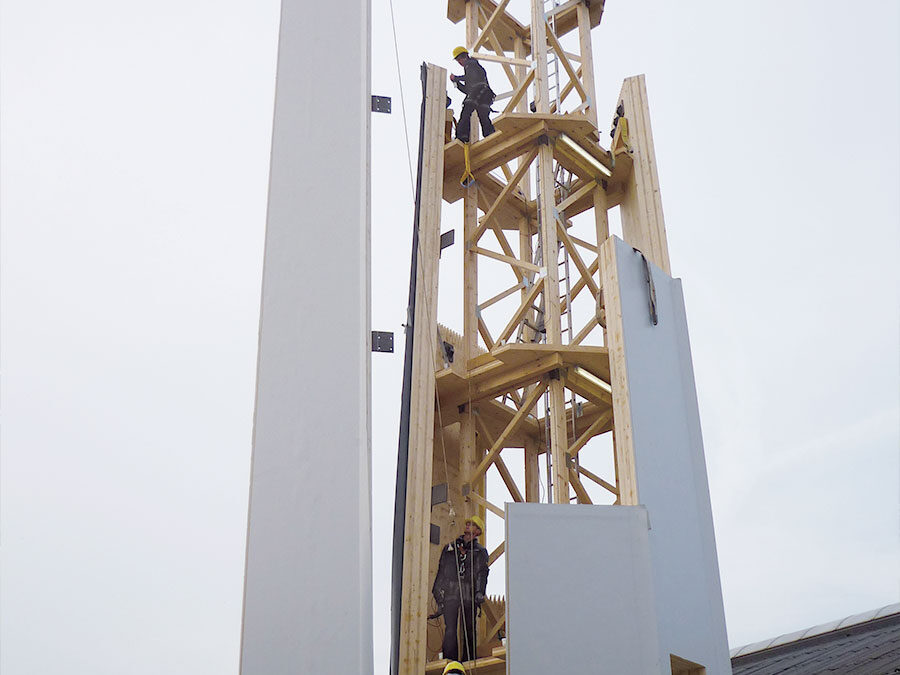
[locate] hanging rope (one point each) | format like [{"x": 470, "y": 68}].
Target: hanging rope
[{"x": 412, "y": 182}]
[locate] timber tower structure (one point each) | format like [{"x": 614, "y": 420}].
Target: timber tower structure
[{"x": 562, "y": 411}]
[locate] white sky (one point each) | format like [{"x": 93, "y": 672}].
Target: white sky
[{"x": 135, "y": 142}]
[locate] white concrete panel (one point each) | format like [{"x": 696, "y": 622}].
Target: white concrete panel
[
  {"x": 670, "y": 466},
  {"x": 579, "y": 591},
  {"x": 307, "y": 597}
]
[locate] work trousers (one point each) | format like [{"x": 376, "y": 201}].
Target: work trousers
[
  {"x": 452, "y": 607},
  {"x": 465, "y": 117}
]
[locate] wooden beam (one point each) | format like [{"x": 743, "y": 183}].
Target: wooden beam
[
  {"x": 484, "y": 56},
  {"x": 500, "y": 296},
  {"x": 561, "y": 55},
  {"x": 489, "y": 24},
  {"x": 575, "y": 196},
  {"x": 485, "y": 333},
  {"x": 564, "y": 93},
  {"x": 498, "y": 445},
  {"x": 481, "y": 501},
  {"x": 508, "y": 189},
  {"x": 416, "y": 585},
  {"x": 519, "y": 91},
  {"x": 584, "y": 332},
  {"x": 509, "y": 260},
  {"x": 580, "y": 492},
  {"x": 579, "y": 285},
  {"x": 643, "y": 225},
  {"x": 587, "y": 59},
  {"x": 599, "y": 481},
  {"x": 584, "y": 244},
  {"x": 496, "y": 553},
  {"x": 523, "y": 307},
  {"x": 589, "y": 433},
  {"x": 498, "y": 624},
  {"x": 586, "y": 274},
  {"x": 500, "y": 464},
  {"x": 498, "y": 50},
  {"x": 623, "y": 432}
]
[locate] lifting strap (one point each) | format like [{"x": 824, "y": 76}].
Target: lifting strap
[{"x": 468, "y": 177}]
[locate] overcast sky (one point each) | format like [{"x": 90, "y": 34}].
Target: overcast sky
[{"x": 135, "y": 144}]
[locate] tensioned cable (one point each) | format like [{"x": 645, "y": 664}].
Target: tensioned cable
[{"x": 412, "y": 182}]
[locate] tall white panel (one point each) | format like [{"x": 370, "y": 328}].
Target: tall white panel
[
  {"x": 670, "y": 468},
  {"x": 308, "y": 595}
]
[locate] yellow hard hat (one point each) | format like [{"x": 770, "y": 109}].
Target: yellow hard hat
[
  {"x": 477, "y": 521},
  {"x": 454, "y": 667},
  {"x": 459, "y": 50}
]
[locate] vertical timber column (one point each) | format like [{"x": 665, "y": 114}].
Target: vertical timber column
[
  {"x": 623, "y": 434},
  {"x": 549, "y": 246},
  {"x": 643, "y": 225},
  {"x": 416, "y": 584},
  {"x": 587, "y": 59},
  {"x": 307, "y": 586}
]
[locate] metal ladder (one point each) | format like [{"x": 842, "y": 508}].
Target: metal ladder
[{"x": 553, "y": 87}]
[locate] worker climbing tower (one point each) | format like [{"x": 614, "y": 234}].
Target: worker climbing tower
[{"x": 562, "y": 410}]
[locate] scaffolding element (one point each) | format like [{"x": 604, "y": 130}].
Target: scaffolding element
[{"x": 530, "y": 378}]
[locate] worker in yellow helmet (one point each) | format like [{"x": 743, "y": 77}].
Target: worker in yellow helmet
[
  {"x": 459, "y": 588},
  {"x": 479, "y": 96},
  {"x": 453, "y": 668}
]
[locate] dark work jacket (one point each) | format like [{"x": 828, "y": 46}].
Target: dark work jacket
[
  {"x": 474, "y": 83},
  {"x": 472, "y": 562}
]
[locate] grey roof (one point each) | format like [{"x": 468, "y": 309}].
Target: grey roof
[{"x": 864, "y": 644}]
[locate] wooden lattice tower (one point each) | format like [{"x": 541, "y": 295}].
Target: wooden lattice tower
[{"x": 537, "y": 373}]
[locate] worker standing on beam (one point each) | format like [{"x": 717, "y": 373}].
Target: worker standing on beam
[
  {"x": 459, "y": 588},
  {"x": 479, "y": 96}
]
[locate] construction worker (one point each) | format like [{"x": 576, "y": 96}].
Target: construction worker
[
  {"x": 453, "y": 668},
  {"x": 459, "y": 588},
  {"x": 479, "y": 96}
]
